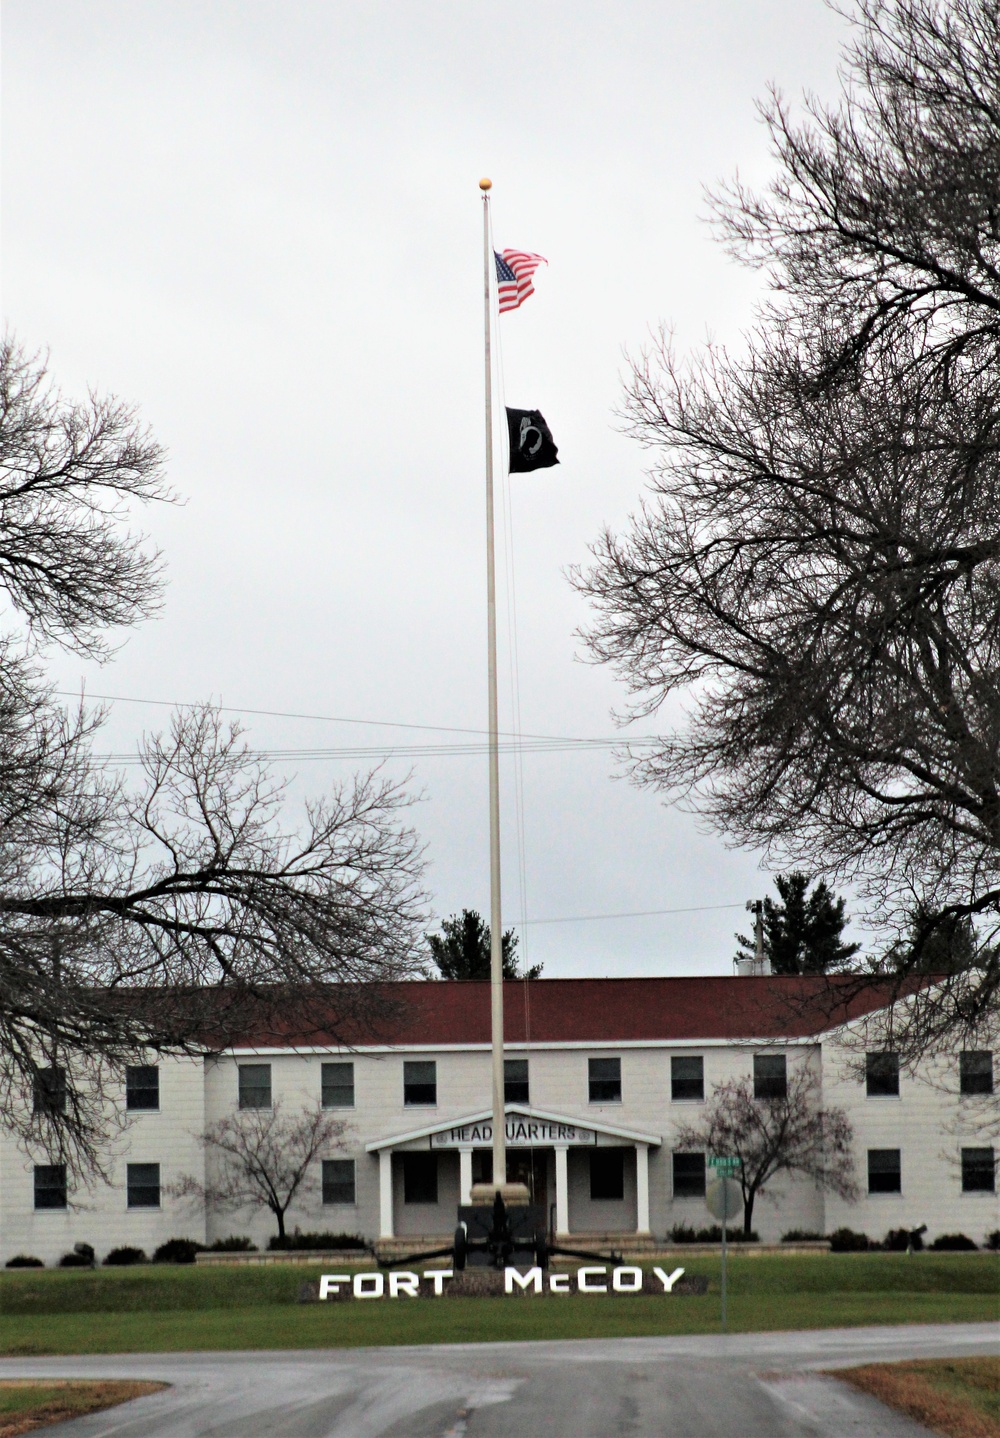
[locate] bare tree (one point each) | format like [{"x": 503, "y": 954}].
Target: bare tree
[
  {"x": 792, "y": 1134},
  {"x": 170, "y": 914},
  {"x": 68, "y": 473},
  {"x": 882, "y": 214},
  {"x": 263, "y": 1158},
  {"x": 179, "y": 914},
  {"x": 817, "y": 571}
]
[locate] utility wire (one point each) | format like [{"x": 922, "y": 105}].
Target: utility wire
[
  {"x": 340, "y": 719},
  {"x": 635, "y": 914},
  {"x": 405, "y": 751}
]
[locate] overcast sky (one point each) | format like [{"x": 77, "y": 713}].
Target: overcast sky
[{"x": 261, "y": 223}]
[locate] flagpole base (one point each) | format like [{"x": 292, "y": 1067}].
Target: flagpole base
[{"x": 513, "y": 1194}]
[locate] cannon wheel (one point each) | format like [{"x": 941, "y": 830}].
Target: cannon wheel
[
  {"x": 541, "y": 1251},
  {"x": 461, "y": 1247}
]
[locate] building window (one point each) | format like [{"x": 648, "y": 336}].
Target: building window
[
  {"x": 978, "y": 1170},
  {"x": 607, "y": 1173},
  {"x": 770, "y": 1077},
  {"x": 689, "y": 1175},
  {"x": 420, "y": 1086},
  {"x": 338, "y": 1180},
  {"x": 515, "y": 1081},
  {"x": 605, "y": 1077},
  {"x": 687, "y": 1079},
  {"x": 975, "y": 1072},
  {"x": 420, "y": 1178},
  {"x": 142, "y": 1086},
  {"x": 50, "y": 1185},
  {"x": 337, "y": 1082},
  {"x": 255, "y": 1085},
  {"x": 882, "y": 1075},
  {"x": 50, "y": 1091},
  {"x": 884, "y": 1174},
  {"x": 143, "y": 1185}
]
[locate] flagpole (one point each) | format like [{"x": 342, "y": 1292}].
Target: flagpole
[{"x": 496, "y": 919}]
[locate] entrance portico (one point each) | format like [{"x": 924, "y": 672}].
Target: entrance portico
[{"x": 532, "y": 1134}]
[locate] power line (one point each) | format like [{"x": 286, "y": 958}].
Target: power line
[
  {"x": 340, "y": 719},
  {"x": 407, "y": 751},
  {"x": 634, "y": 914}
]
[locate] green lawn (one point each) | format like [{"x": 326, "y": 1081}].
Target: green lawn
[{"x": 167, "y": 1309}]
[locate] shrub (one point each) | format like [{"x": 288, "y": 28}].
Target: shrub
[
  {"x": 81, "y": 1257},
  {"x": 24, "y": 1260},
  {"x": 845, "y": 1240},
  {"x": 993, "y": 1240},
  {"x": 178, "y": 1250},
  {"x": 233, "y": 1244},
  {"x": 956, "y": 1241},
  {"x": 902, "y": 1240},
  {"x": 124, "y": 1257},
  {"x": 801, "y": 1235},
  {"x": 681, "y": 1233},
  {"x": 316, "y": 1240}
]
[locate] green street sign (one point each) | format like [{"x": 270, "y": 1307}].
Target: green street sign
[{"x": 725, "y": 1165}]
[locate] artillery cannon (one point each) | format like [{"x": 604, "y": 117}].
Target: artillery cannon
[{"x": 498, "y": 1235}]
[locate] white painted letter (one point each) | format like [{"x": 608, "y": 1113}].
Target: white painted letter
[
  {"x": 619, "y": 1277},
  {"x": 330, "y": 1283},
  {"x": 558, "y": 1282},
  {"x": 584, "y": 1286},
  {"x": 532, "y": 1279},
  {"x": 668, "y": 1283},
  {"x": 403, "y": 1283},
  {"x": 377, "y": 1281},
  {"x": 437, "y": 1276}
]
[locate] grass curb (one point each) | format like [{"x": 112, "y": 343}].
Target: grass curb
[
  {"x": 31, "y": 1403},
  {"x": 957, "y": 1397}
]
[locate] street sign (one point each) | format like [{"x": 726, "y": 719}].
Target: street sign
[
  {"x": 725, "y": 1165},
  {"x": 724, "y": 1198}
]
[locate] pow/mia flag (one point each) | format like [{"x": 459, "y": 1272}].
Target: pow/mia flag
[{"x": 531, "y": 442}]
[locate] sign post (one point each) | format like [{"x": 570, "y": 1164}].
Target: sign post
[{"x": 724, "y": 1198}]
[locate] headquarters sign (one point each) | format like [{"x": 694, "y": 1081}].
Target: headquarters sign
[{"x": 521, "y": 1132}]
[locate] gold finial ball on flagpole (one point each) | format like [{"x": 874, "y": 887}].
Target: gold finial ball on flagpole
[{"x": 485, "y": 184}]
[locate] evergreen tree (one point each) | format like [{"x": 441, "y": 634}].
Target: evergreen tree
[
  {"x": 938, "y": 943},
  {"x": 802, "y": 933},
  {"x": 462, "y": 949}
]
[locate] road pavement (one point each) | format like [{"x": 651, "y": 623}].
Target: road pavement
[{"x": 749, "y": 1385}]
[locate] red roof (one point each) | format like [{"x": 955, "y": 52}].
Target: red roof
[{"x": 600, "y": 1011}]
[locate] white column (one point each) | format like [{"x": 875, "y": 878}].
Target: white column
[
  {"x": 641, "y": 1188},
  {"x": 562, "y": 1191},
  {"x": 385, "y": 1192},
  {"x": 465, "y": 1175}
]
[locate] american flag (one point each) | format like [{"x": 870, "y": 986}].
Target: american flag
[{"x": 514, "y": 271}]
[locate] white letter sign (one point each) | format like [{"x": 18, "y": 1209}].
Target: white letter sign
[
  {"x": 532, "y": 1279},
  {"x": 668, "y": 1283},
  {"x": 627, "y": 1280},
  {"x": 369, "y": 1285},
  {"x": 403, "y": 1282},
  {"x": 437, "y": 1276},
  {"x": 582, "y": 1276},
  {"x": 330, "y": 1283}
]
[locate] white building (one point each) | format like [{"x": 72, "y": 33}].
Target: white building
[{"x": 601, "y": 1075}]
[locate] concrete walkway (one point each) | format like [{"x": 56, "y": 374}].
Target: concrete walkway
[{"x": 754, "y": 1385}]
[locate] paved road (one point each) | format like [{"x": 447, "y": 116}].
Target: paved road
[{"x": 755, "y": 1385}]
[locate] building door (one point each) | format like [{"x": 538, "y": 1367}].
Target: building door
[
  {"x": 530, "y": 1167},
  {"x": 524, "y": 1165}
]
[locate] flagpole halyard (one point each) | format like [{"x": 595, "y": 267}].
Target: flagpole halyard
[{"x": 496, "y": 916}]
